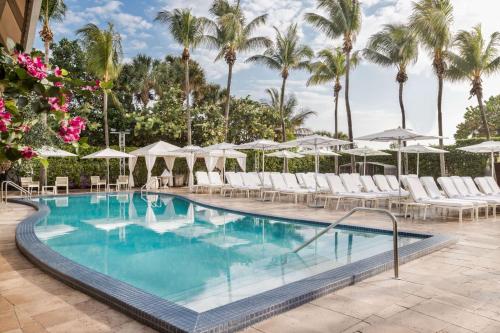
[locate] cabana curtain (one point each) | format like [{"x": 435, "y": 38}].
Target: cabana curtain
[{"x": 131, "y": 166}]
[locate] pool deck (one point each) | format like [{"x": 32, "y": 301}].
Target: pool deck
[{"x": 456, "y": 289}]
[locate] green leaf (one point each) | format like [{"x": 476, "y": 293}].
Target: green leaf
[
  {"x": 21, "y": 73},
  {"x": 106, "y": 84}
]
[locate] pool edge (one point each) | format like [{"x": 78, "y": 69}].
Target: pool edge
[{"x": 167, "y": 316}]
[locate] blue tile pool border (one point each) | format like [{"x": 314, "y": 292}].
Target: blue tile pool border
[{"x": 167, "y": 316}]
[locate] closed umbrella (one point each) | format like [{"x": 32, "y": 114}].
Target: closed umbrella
[
  {"x": 487, "y": 147},
  {"x": 365, "y": 152},
  {"x": 107, "y": 154},
  {"x": 47, "y": 151},
  {"x": 421, "y": 149},
  {"x": 285, "y": 155}
]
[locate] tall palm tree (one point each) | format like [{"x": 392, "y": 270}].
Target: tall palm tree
[
  {"x": 293, "y": 116},
  {"x": 189, "y": 31},
  {"x": 232, "y": 34},
  {"x": 103, "y": 55},
  {"x": 475, "y": 59},
  {"x": 145, "y": 79},
  {"x": 395, "y": 45},
  {"x": 431, "y": 20},
  {"x": 343, "y": 19},
  {"x": 331, "y": 68},
  {"x": 51, "y": 10},
  {"x": 285, "y": 55}
]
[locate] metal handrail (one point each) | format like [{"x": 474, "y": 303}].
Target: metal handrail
[
  {"x": 4, "y": 193},
  {"x": 146, "y": 186},
  {"x": 363, "y": 209}
]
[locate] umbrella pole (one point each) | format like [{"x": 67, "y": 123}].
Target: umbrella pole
[
  {"x": 418, "y": 163},
  {"x": 336, "y": 165},
  {"x": 107, "y": 172},
  {"x": 399, "y": 175},
  {"x": 364, "y": 165},
  {"x": 493, "y": 173}
]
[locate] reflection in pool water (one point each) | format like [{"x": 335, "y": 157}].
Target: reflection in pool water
[{"x": 193, "y": 255}]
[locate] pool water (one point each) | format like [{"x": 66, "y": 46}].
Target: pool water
[{"x": 190, "y": 254}]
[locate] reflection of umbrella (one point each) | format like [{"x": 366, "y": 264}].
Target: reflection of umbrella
[
  {"x": 285, "y": 154},
  {"x": 490, "y": 147},
  {"x": 107, "y": 154},
  {"x": 365, "y": 151},
  {"x": 397, "y": 134},
  {"x": 260, "y": 145},
  {"x": 47, "y": 151},
  {"x": 421, "y": 149},
  {"x": 190, "y": 158}
]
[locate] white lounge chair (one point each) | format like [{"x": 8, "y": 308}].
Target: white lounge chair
[
  {"x": 339, "y": 192},
  {"x": 393, "y": 182},
  {"x": 216, "y": 182},
  {"x": 280, "y": 187},
  {"x": 322, "y": 182},
  {"x": 300, "y": 179},
  {"x": 384, "y": 186},
  {"x": 308, "y": 180},
  {"x": 471, "y": 191},
  {"x": 419, "y": 195},
  {"x": 452, "y": 192},
  {"x": 370, "y": 187},
  {"x": 202, "y": 181},
  {"x": 493, "y": 184},
  {"x": 484, "y": 186},
  {"x": 62, "y": 182}
]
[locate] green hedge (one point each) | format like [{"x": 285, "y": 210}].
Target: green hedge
[{"x": 79, "y": 170}]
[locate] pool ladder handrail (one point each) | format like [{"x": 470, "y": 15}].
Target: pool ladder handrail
[
  {"x": 146, "y": 187},
  {"x": 4, "y": 191},
  {"x": 363, "y": 209}
]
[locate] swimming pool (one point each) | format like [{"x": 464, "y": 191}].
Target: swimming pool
[{"x": 199, "y": 259}]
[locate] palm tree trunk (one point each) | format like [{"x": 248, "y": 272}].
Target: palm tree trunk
[
  {"x": 336, "y": 115},
  {"x": 403, "y": 122},
  {"x": 347, "y": 105},
  {"x": 47, "y": 50},
  {"x": 440, "y": 125},
  {"x": 282, "y": 116},
  {"x": 228, "y": 99},
  {"x": 188, "y": 107},
  {"x": 479, "y": 95},
  {"x": 105, "y": 116}
]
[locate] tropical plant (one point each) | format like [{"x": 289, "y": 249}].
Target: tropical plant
[
  {"x": 475, "y": 59},
  {"x": 343, "y": 19},
  {"x": 51, "y": 10},
  {"x": 473, "y": 127},
  {"x": 176, "y": 75},
  {"x": 231, "y": 35},
  {"x": 103, "y": 56},
  {"x": 431, "y": 20},
  {"x": 395, "y": 45},
  {"x": 285, "y": 55},
  {"x": 287, "y": 110},
  {"x": 331, "y": 68},
  {"x": 145, "y": 79},
  {"x": 187, "y": 30}
]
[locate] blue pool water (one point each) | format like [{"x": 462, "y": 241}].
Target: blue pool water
[{"x": 192, "y": 255}]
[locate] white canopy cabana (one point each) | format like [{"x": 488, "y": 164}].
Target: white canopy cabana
[
  {"x": 47, "y": 151},
  {"x": 150, "y": 153},
  {"x": 189, "y": 152},
  {"x": 108, "y": 154},
  {"x": 486, "y": 147},
  {"x": 216, "y": 155}
]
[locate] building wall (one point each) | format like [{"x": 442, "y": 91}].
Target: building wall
[{"x": 18, "y": 20}]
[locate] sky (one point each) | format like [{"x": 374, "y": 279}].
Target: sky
[{"x": 373, "y": 90}]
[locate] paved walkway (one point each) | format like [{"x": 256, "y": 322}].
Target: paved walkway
[{"x": 456, "y": 289}]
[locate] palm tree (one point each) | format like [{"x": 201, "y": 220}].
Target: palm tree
[
  {"x": 187, "y": 30},
  {"x": 285, "y": 55},
  {"x": 395, "y": 45},
  {"x": 51, "y": 10},
  {"x": 294, "y": 117},
  {"x": 232, "y": 34},
  {"x": 103, "y": 55},
  {"x": 475, "y": 59},
  {"x": 343, "y": 20},
  {"x": 331, "y": 68},
  {"x": 431, "y": 20},
  {"x": 145, "y": 78}
]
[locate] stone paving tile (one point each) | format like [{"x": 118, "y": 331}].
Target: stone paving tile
[{"x": 453, "y": 290}]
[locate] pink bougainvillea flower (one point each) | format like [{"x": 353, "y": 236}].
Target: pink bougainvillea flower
[
  {"x": 28, "y": 153},
  {"x": 5, "y": 119},
  {"x": 70, "y": 130},
  {"x": 58, "y": 84},
  {"x": 35, "y": 67},
  {"x": 56, "y": 106},
  {"x": 23, "y": 128},
  {"x": 58, "y": 72},
  {"x": 2, "y": 105}
]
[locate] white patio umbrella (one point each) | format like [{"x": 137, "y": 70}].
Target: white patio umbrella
[
  {"x": 400, "y": 135},
  {"x": 261, "y": 145},
  {"x": 108, "y": 154},
  {"x": 421, "y": 149},
  {"x": 47, "y": 151},
  {"x": 223, "y": 146},
  {"x": 365, "y": 152},
  {"x": 190, "y": 159},
  {"x": 486, "y": 147},
  {"x": 317, "y": 153},
  {"x": 285, "y": 155}
]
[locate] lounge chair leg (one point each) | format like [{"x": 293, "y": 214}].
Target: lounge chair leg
[{"x": 460, "y": 216}]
